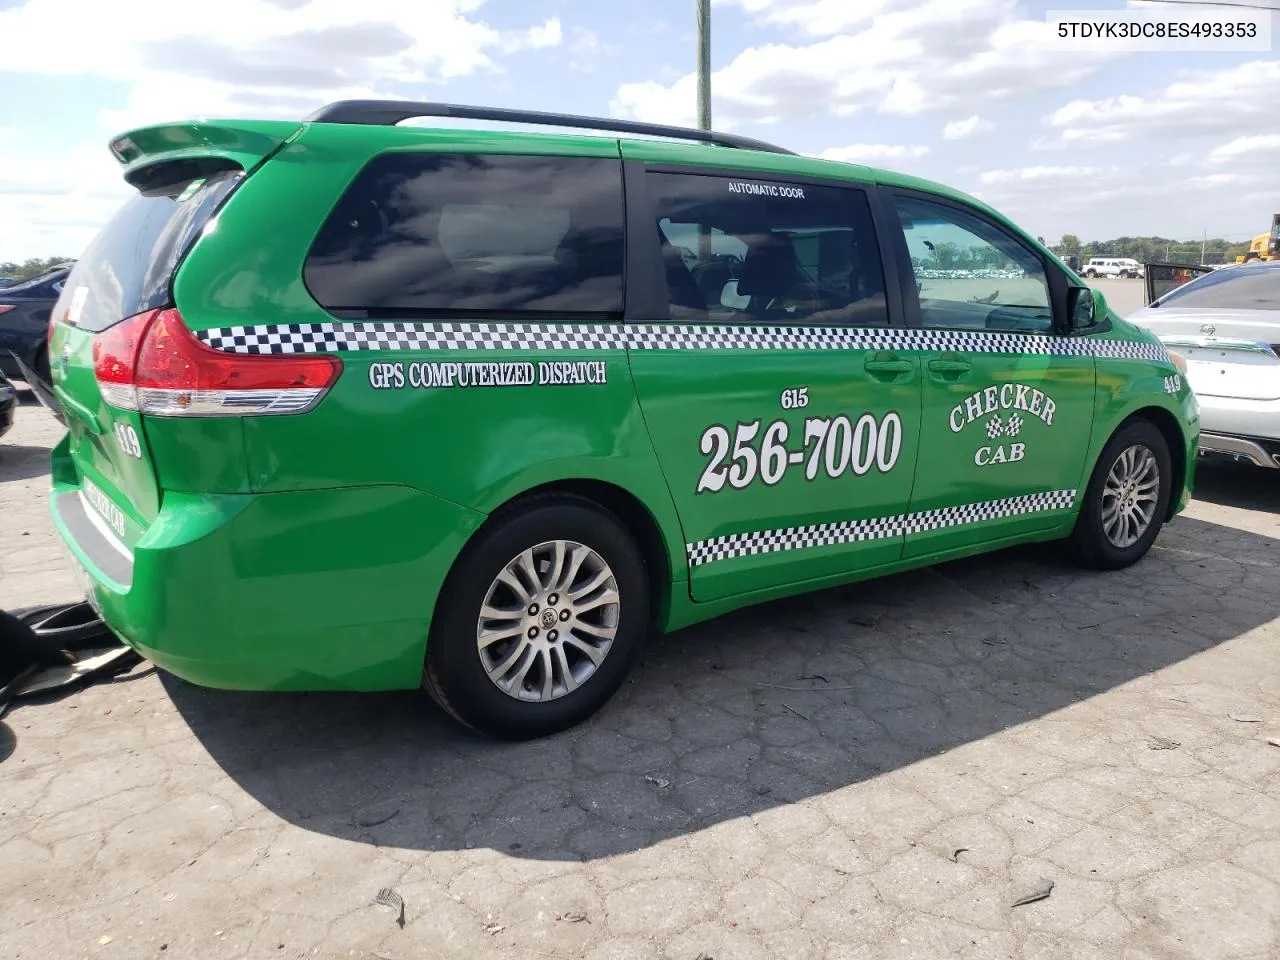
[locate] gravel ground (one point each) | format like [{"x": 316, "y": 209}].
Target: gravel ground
[{"x": 874, "y": 771}]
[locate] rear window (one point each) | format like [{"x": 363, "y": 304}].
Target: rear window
[
  {"x": 1237, "y": 288},
  {"x": 442, "y": 234},
  {"x": 128, "y": 266}
]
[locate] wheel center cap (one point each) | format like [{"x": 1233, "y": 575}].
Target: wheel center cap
[{"x": 548, "y": 619}]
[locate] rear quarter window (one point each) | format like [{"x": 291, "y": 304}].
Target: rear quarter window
[{"x": 444, "y": 234}]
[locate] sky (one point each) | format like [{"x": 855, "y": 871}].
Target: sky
[{"x": 977, "y": 94}]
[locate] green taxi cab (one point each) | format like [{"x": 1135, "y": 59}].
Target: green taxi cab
[{"x": 362, "y": 406}]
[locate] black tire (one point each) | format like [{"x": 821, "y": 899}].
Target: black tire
[
  {"x": 1089, "y": 541},
  {"x": 454, "y": 674}
]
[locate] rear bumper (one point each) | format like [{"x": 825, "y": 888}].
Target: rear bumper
[
  {"x": 1245, "y": 429},
  {"x": 1261, "y": 453},
  {"x": 1235, "y": 417},
  {"x": 312, "y": 590}
]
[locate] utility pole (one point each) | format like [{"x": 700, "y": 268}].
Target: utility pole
[
  {"x": 704, "y": 63},
  {"x": 704, "y": 104}
]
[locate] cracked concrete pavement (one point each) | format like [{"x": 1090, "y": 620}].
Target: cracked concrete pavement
[{"x": 874, "y": 771}]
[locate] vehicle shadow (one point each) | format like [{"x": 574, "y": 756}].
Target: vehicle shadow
[
  {"x": 1238, "y": 485},
  {"x": 21, "y": 462},
  {"x": 762, "y": 708}
]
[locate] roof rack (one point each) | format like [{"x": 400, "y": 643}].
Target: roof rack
[{"x": 391, "y": 112}]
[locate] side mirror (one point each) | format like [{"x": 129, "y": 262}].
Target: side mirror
[{"x": 1085, "y": 307}]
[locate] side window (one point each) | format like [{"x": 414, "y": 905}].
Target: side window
[
  {"x": 471, "y": 235},
  {"x": 971, "y": 274},
  {"x": 738, "y": 251}
]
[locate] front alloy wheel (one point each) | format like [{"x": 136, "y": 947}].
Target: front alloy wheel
[
  {"x": 1130, "y": 496},
  {"x": 1127, "y": 499}
]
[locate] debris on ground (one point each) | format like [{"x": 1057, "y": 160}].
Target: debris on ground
[
  {"x": 49, "y": 648},
  {"x": 994, "y": 641},
  {"x": 493, "y": 929},
  {"x": 389, "y": 898},
  {"x": 1162, "y": 743},
  {"x": 660, "y": 782},
  {"x": 572, "y": 917},
  {"x": 863, "y": 621},
  {"x": 955, "y": 854},
  {"x": 788, "y": 706},
  {"x": 813, "y": 676},
  {"x": 1041, "y": 891},
  {"x": 375, "y": 816},
  {"x": 1273, "y": 741},
  {"x": 1246, "y": 718}
]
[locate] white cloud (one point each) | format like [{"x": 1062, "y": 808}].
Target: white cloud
[
  {"x": 255, "y": 53},
  {"x": 1237, "y": 99},
  {"x": 959, "y": 129},
  {"x": 177, "y": 60},
  {"x": 587, "y": 50},
  {"x": 52, "y": 205},
  {"x": 1264, "y": 146},
  {"x": 817, "y": 17},
  {"x": 874, "y": 153},
  {"x": 544, "y": 35},
  {"x": 1035, "y": 175},
  {"x": 911, "y": 58}
]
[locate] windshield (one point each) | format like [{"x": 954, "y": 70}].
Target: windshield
[{"x": 1242, "y": 288}]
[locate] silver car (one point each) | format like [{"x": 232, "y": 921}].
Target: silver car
[{"x": 1225, "y": 326}]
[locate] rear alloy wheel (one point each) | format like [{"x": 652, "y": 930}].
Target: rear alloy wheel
[
  {"x": 1091, "y": 274},
  {"x": 540, "y": 621},
  {"x": 1127, "y": 499},
  {"x": 548, "y": 621}
]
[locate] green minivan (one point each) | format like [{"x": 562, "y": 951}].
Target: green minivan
[{"x": 356, "y": 405}]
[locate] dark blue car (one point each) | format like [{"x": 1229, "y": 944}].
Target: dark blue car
[{"x": 24, "y": 323}]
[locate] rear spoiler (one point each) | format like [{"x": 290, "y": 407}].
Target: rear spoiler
[{"x": 162, "y": 159}]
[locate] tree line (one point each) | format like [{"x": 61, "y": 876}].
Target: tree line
[
  {"x": 1152, "y": 249},
  {"x": 31, "y": 268}
]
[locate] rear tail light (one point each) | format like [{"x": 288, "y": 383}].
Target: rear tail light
[
  {"x": 6, "y": 307},
  {"x": 153, "y": 364}
]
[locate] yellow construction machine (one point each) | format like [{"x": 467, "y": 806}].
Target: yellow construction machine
[{"x": 1265, "y": 246}]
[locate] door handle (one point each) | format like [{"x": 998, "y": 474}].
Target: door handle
[
  {"x": 950, "y": 366},
  {"x": 888, "y": 365}
]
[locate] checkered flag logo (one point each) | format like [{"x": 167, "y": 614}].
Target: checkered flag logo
[
  {"x": 995, "y": 427},
  {"x": 1014, "y": 426}
]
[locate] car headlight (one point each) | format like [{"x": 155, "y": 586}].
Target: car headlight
[{"x": 1179, "y": 361}]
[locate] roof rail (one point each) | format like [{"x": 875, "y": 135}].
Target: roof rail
[{"x": 391, "y": 112}]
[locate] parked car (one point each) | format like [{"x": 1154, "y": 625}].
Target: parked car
[
  {"x": 1163, "y": 277},
  {"x": 8, "y": 404},
  {"x": 1112, "y": 267},
  {"x": 399, "y": 420},
  {"x": 24, "y": 322},
  {"x": 1226, "y": 325}
]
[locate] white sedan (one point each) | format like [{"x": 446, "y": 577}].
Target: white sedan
[{"x": 1226, "y": 325}]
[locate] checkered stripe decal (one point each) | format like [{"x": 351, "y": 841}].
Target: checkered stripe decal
[
  {"x": 333, "y": 337},
  {"x": 830, "y": 534},
  {"x": 336, "y": 336}
]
